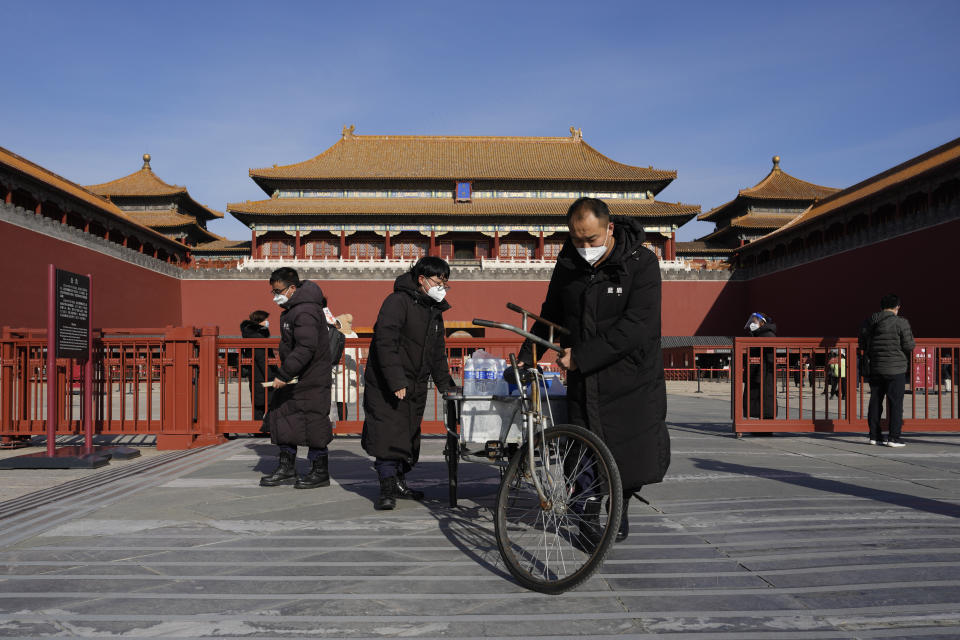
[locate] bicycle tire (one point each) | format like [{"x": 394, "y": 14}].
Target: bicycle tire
[{"x": 546, "y": 550}]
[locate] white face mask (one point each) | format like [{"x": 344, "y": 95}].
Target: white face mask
[
  {"x": 280, "y": 299},
  {"x": 753, "y": 326},
  {"x": 592, "y": 254},
  {"x": 266, "y": 324},
  {"x": 437, "y": 293}
]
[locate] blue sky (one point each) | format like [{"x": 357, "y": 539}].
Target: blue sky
[{"x": 841, "y": 90}]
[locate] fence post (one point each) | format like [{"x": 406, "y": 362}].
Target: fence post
[
  {"x": 698, "y": 380},
  {"x": 6, "y": 380},
  {"x": 207, "y": 432}
]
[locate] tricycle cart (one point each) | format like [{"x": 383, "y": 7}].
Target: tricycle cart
[{"x": 559, "y": 503}]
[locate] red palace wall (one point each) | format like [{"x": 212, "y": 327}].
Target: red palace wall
[
  {"x": 124, "y": 295},
  {"x": 832, "y": 296},
  {"x": 689, "y": 307}
]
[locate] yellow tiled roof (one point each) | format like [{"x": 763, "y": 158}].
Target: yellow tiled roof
[
  {"x": 145, "y": 183},
  {"x": 462, "y": 157},
  {"x": 73, "y": 189},
  {"x": 777, "y": 185},
  {"x": 891, "y": 178},
  {"x": 167, "y": 219},
  {"x": 447, "y": 207}
]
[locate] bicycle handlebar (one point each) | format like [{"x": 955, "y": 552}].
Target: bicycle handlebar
[
  {"x": 521, "y": 310},
  {"x": 526, "y": 334}
]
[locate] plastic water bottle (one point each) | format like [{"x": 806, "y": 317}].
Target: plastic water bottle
[
  {"x": 469, "y": 376},
  {"x": 499, "y": 384}
]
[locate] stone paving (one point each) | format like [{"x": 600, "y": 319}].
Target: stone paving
[{"x": 789, "y": 536}]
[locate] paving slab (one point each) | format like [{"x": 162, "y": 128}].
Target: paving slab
[{"x": 787, "y": 536}]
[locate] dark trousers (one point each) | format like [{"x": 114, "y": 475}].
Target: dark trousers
[
  {"x": 890, "y": 387},
  {"x": 312, "y": 453}
]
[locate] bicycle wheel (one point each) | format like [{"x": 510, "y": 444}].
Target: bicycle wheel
[
  {"x": 452, "y": 454},
  {"x": 554, "y": 547}
]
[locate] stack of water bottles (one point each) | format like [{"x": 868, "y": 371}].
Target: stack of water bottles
[{"x": 483, "y": 375}]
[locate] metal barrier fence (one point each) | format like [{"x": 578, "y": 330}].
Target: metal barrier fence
[
  {"x": 813, "y": 384},
  {"x": 190, "y": 387}
]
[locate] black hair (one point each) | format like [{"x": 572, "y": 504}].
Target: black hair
[
  {"x": 286, "y": 275},
  {"x": 431, "y": 267},
  {"x": 259, "y": 316},
  {"x": 890, "y": 301},
  {"x": 596, "y": 206}
]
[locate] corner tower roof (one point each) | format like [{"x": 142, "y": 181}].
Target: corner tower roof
[{"x": 144, "y": 183}]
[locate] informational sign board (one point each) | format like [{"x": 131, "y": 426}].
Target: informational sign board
[
  {"x": 72, "y": 315},
  {"x": 923, "y": 373}
]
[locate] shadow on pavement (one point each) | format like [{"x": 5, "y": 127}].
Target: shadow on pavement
[{"x": 832, "y": 486}]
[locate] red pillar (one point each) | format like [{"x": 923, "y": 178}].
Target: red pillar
[
  {"x": 296, "y": 246},
  {"x": 253, "y": 243},
  {"x": 539, "y": 253},
  {"x": 671, "y": 248},
  {"x": 496, "y": 245},
  {"x": 86, "y": 226},
  {"x": 386, "y": 246},
  {"x": 39, "y": 209},
  {"x": 433, "y": 244},
  {"x": 106, "y": 235},
  {"x": 343, "y": 245},
  {"x": 9, "y": 198}
]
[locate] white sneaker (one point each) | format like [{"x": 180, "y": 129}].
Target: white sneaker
[
  {"x": 873, "y": 442},
  {"x": 892, "y": 443}
]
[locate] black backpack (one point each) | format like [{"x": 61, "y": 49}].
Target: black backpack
[{"x": 337, "y": 342}]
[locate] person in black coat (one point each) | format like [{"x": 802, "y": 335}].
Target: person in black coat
[
  {"x": 887, "y": 343},
  {"x": 257, "y": 326},
  {"x": 299, "y": 413},
  {"x": 408, "y": 348},
  {"x": 760, "y": 388},
  {"x": 606, "y": 290}
]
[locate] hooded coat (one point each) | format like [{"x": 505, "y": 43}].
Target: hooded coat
[
  {"x": 299, "y": 413},
  {"x": 258, "y": 373},
  {"x": 887, "y": 340},
  {"x": 760, "y": 388},
  {"x": 408, "y": 348},
  {"x": 613, "y": 314}
]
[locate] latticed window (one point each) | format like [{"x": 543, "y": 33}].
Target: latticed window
[
  {"x": 551, "y": 250},
  {"x": 408, "y": 249},
  {"x": 366, "y": 250},
  {"x": 322, "y": 249},
  {"x": 278, "y": 249},
  {"x": 516, "y": 250}
]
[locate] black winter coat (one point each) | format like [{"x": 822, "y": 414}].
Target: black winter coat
[
  {"x": 613, "y": 314},
  {"x": 299, "y": 413},
  {"x": 887, "y": 340},
  {"x": 258, "y": 373},
  {"x": 762, "y": 387},
  {"x": 408, "y": 348}
]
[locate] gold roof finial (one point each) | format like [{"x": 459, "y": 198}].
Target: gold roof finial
[
  {"x": 576, "y": 134},
  {"x": 776, "y": 162},
  {"x": 348, "y": 131},
  {"x": 146, "y": 161}
]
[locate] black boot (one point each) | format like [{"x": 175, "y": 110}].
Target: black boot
[
  {"x": 319, "y": 475},
  {"x": 388, "y": 494},
  {"x": 590, "y": 529},
  {"x": 405, "y": 492},
  {"x": 285, "y": 473},
  {"x": 624, "y": 529}
]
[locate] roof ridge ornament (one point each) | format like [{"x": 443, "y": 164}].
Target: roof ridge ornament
[
  {"x": 146, "y": 162},
  {"x": 776, "y": 162},
  {"x": 576, "y": 134},
  {"x": 348, "y": 131}
]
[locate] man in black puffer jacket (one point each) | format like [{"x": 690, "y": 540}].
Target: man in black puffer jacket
[
  {"x": 299, "y": 412},
  {"x": 887, "y": 343},
  {"x": 605, "y": 289}
]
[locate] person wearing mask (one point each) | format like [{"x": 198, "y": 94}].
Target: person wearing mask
[
  {"x": 760, "y": 389},
  {"x": 606, "y": 290},
  {"x": 408, "y": 348},
  {"x": 299, "y": 412},
  {"x": 257, "y": 326},
  {"x": 345, "y": 375},
  {"x": 886, "y": 341}
]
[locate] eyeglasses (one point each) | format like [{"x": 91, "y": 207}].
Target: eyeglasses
[
  {"x": 277, "y": 292},
  {"x": 441, "y": 282}
]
